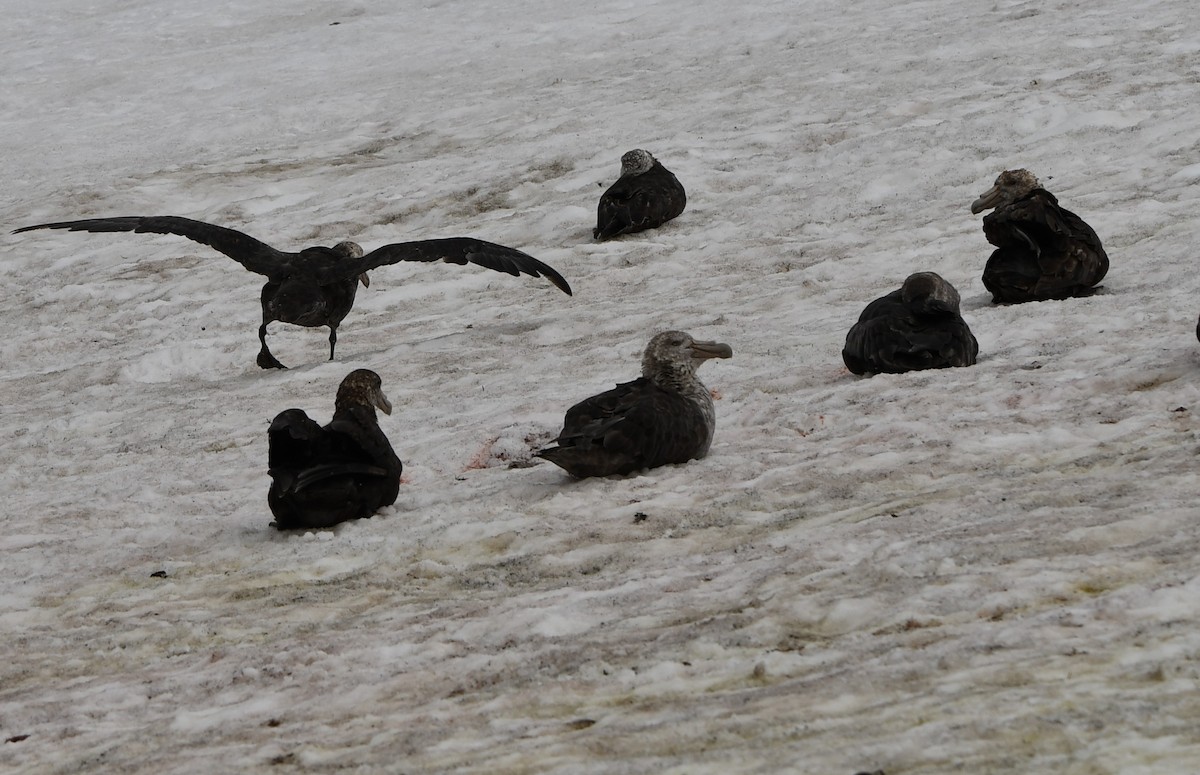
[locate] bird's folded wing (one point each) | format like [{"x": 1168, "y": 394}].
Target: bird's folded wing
[{"x": 325, "y": 471}]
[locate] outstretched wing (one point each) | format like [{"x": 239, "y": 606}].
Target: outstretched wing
[
  {"x": 454, "y": 250},
  {"x": 256, "y": 256}
]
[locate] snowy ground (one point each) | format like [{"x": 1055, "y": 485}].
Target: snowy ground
[{"x": 984, "y": 570}]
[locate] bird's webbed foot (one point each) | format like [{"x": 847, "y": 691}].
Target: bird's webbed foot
[{"x": 268, "y": 361}]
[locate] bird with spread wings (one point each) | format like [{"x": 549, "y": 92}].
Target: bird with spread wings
[{"x": 316, "y": 286}]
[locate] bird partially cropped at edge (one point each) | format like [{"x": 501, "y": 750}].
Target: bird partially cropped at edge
[
  {"x": 918, "y": 326},
  {"x": 316, "y": 287},
  {"x": 346, "y": 470},
  {"x": 665, "y": 416},
  {"x": 645, "y": 196},
  {"x": 1043, "y": 251}
]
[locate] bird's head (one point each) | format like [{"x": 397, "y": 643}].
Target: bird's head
[
  {"x": 636, "y": 162},
  {"x": 672, "y": 357},
  {"x": 362, "y": 387},
  {"x": 350, "y": 249},
  {"x": 930, "y": 290},
  {"x": 1009, "y": 187}
]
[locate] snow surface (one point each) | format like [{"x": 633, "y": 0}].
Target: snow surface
[{"x": 987, "y": 570}]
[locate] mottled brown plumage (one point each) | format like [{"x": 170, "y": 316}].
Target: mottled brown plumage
[
  {"x": 917, "y": 326},
  {"x": 346, "y": 470},
  {"x": 665, "y": 416},
  {"x": 316, "y": 287},
  {"x": 646, "y": 195},
  {"x": 1043, "y": 251}
]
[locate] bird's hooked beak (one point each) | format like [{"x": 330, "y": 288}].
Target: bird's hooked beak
[
  {"x": 702, "y": 351},
  {"x": 381, "y": 402},
  {"x": 366, "y": 281},
  {"x": 987, "y": 200}
]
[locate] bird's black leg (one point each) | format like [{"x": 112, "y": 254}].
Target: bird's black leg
[
  {"x": 332, "y": 340},
  {"x": 265, "y": 359}
]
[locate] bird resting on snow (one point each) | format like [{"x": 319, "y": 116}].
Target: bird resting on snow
[
  {"x": 918, "y": 326},
  {"x": 346, "y": 470},
  {"x": 1043, "y": 251},
  {"x": 664, "y": 416},
  {"x": 316, "y": 287},
  {"x": 645, "y": 196}
]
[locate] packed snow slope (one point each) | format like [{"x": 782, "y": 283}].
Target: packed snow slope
[{"x": 991, "y": 569}]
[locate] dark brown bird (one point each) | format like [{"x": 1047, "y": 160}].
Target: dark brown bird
[
  {"x": 665, "y": 416},
  {"x": 645, "y": 196},
  {"x": 316, "y": 286},
  {"x": 1042, "y": 250},
  {"x": 346, "y": 470},
  {"x": 915, "y": 327}
]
